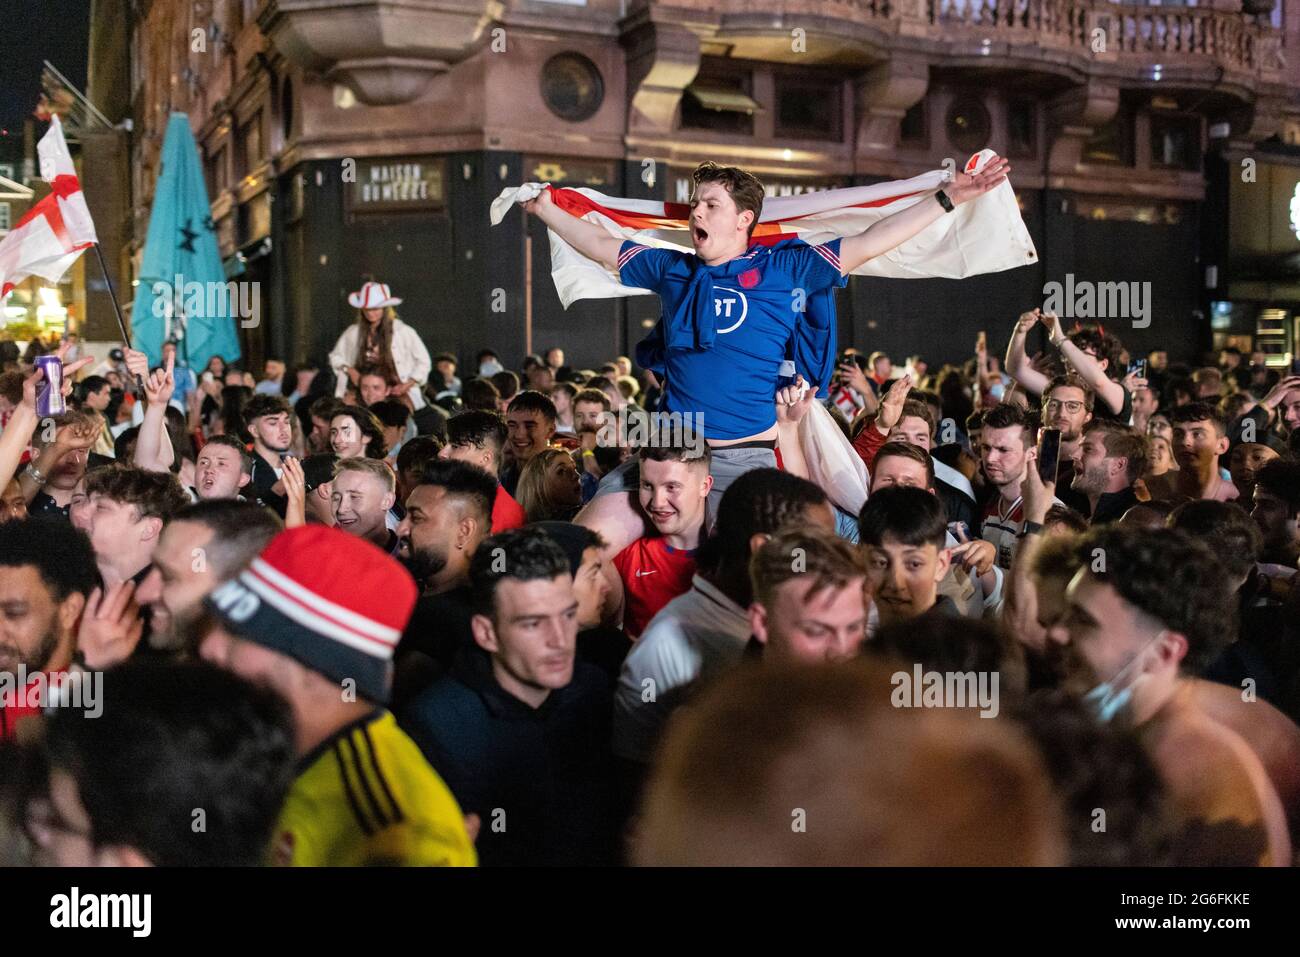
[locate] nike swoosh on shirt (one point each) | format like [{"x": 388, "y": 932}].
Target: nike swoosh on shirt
[{"x": 642, "y": 574}]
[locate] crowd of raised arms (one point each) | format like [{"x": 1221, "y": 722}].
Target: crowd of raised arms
[{"x": 396, "y": 610}]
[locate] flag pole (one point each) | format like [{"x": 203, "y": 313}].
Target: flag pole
[{"x": 117, "y": 310}]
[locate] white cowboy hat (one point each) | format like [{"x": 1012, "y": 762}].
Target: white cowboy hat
[{"x": 372, "y": 295}]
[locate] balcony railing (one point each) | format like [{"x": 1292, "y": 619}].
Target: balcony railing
[{"x": 1174, "y": 35}]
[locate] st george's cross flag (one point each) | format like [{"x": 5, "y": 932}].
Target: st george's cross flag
[
  {"x": 55, "y": 231},
  {"x": 984, "y": 236}
]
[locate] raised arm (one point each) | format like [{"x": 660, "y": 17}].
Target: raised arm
[
  {"x": 1089, "y": 369},
  {"x": 587, "y": 238},
  {"x": 791, "y": 406},
  {"x": 892, "y": 231},
  {"x": 153, "y": 447},
  {"x": 1018, "y": 364}
]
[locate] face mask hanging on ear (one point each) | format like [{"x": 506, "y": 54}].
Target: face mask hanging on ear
[{"x": 1104, "y": 700}]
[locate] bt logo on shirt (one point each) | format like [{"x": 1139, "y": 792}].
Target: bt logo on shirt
[{"x": 734, "y": 306}]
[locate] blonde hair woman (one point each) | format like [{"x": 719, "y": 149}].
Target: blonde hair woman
[
  {"x": 380, "y": 340},
  {"x": 550, "y": 489}
]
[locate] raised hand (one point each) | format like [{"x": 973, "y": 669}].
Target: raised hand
[
  {"x": 967, "y": 186},
  {"x": 80, "y": 433},
  {"x": 974, "y": 554},
  {"x": 855, "y": 378},
  {"x": 891, "y": 406},
  {"x": 159, "y": 385},
  {"x": 1052, "y": 323},
  {"x": 791, "y": 405},
  {"x": 1027, "y": 321},
  {"x": 1279, "y": 391},
  {"x": 295, "y": 490},
  {"x": 110, "y": 626},
  {"x": 1036, "y": 494},
  {"x": 137, "y": 363}
]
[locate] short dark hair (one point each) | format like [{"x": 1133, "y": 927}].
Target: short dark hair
[
  {"x": 521, "y": 554},
  {"x": 480, "y": 395},
  {"x": 368, "y": 423},
  {"x": 1071, "y": 381},
  {"x": 391, "y": 413},
  {"x": 759, "y": 502},
  {"x": 910, "y": 516},
  {"x": 951, "y": 643},
  {"x": 1170, "y": 576},
  {"x": 974, "y": 421},
  {"x": 918, "y": 409},
  {"x": 445, "y": 357},
  {"x": 60, "y": 553},
  {"x": 1064, "y": 515},
  {"x": 466, "y": 482},
  {"x": 683, "y": 451},
  {"x": 188, "y": 736},
  {"x": 1105, "y": 345},
  {"x": 240, "y": 530},
  {"x": 827, "y": 561},
  {"x": 90, "y": 385},
  {"x": 588, "y": 394},
  {"x": 265, "y": 403},
  {"x": 1281, "y": 478},
  {"x": 154, "y": 494},
  {"x": 479, "y": 428},
  {"x": 906, "y": 450},
  {"x": 1198, "y": 412},
  {"x": 1005, "y": 415},
  {"x": 230, "y": 442},
  {"x": 1224, "y": 526},
  {"x": 531, "y": 400},
  {"x": 326, "y": 407},
  {"x": 568, "y": 388},
  {"x": 745, "y": 188},
  {"x": 418, "y": 453},
  {"x": 507, "y": 383}
]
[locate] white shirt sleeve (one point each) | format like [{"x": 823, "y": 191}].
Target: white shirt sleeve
[
  {"x": 343, "y": 354},
  {"x": 661, "y": 661}
]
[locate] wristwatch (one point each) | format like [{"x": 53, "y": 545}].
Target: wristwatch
[
  {"x": 35, "y": 474},
  {"x": 1031, "y": 528},
  {"x": 944, "y": 201}
]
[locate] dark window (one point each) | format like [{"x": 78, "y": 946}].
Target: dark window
[
  {"x": 720, "y": 100},
  {"x": 1175, "y": 142},
  {"x": 1022, "y": 127},
  {"x": 915, "y": 129},
  {"x": 1112, "y": 143},
  {"x": 572, "y": 87},
  {"x": 968, "y": 124},
  {"x": 808, "y": 108},
  {"x": 250, "y": 138}
]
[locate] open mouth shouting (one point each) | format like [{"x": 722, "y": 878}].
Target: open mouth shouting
[{"x": 699, "y": 235}]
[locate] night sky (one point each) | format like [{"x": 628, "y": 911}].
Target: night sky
[{"x": 36, "y": 30}]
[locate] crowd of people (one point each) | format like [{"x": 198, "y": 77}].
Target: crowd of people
[{"x": 396, "y": 611}]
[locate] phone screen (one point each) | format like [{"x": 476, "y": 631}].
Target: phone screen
[
  {"x": 1139, "y": 366},
  {"x": 1049, "y": 454}
]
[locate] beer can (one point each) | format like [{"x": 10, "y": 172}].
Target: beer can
[{"x": 49, "y": 394}]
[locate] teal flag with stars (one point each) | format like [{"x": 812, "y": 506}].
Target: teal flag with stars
[{"x": 182, "y": 292}]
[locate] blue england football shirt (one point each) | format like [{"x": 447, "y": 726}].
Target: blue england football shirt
[{"x": 726, "y": 329}]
